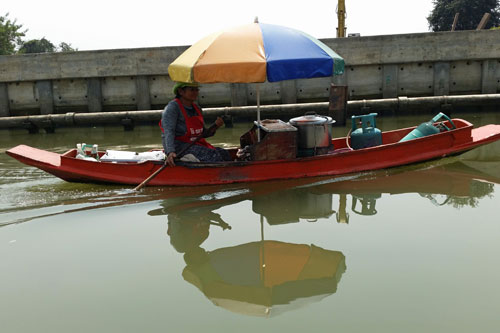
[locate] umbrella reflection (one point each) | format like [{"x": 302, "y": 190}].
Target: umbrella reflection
[{"x": 261, "y": 278}]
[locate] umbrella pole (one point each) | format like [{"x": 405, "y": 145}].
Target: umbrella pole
[
  {"x": 261, "y": 228},
  {"x": 262, "y": 254},
  {"x": 258, "y": 112}
]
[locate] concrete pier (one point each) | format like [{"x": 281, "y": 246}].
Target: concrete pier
[
  {"x": 377, "y": 67},
  {"x": 403, "y": 104}
]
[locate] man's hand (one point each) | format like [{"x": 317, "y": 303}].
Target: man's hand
[
  {"x": 219, "y": 122},
  {"x": 170, "y": 158},
  {"x": 211, "y": 130}
]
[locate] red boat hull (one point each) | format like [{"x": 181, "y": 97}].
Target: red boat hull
[{"x": 341, "y": 161}]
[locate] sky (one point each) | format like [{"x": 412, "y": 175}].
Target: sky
[{"x": 110, "y": 24}]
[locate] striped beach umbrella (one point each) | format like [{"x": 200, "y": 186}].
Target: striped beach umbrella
[{"x": 255, "y": 53}]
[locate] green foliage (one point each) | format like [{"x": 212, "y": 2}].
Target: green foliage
[
  {"x": 470, "y": 14},
  {"x": 37, "y": 46},
  {"x": 12, "y": 43},
  {"x": 477, "y": 190},
  {"x": 65, "y": 47},
  {"x": 10, "y": 35}
]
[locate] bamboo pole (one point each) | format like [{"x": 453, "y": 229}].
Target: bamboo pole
[
  {"x": 484, "y": 21},
  {"x": 455, "y": 20}
]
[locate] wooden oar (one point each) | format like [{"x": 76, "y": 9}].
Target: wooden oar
[{"x": 182, "y": 151}]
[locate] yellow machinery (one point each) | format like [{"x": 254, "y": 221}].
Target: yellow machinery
[{"x": 341, "y": 28}]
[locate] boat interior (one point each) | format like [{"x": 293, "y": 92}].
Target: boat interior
[{"x": 275, "y": 140}]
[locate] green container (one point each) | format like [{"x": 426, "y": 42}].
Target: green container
[
  {"x": 428, "y": 128},
  {"x": 367, "y": 135}
]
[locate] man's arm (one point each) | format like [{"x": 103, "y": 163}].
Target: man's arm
[{"x": 169, "y": 123}]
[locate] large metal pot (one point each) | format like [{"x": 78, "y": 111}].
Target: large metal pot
[{"x": 314, "y": 131}]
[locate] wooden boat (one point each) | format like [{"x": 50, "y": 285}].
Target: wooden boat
[{"x": 340, "y": 159}]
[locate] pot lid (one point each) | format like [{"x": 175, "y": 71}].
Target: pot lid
[{"x": 313, "y": 119}]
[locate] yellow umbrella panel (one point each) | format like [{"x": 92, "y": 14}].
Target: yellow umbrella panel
[{"x": 230, "y": 56}]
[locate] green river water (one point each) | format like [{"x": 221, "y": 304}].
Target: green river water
[{"x": 409, "y": 249}]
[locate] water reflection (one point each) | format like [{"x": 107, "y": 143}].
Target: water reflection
[
  {"x": 266, "y": 277},
  {"x": 262, "y": 278},
  {"x": 454, "y": 183}
]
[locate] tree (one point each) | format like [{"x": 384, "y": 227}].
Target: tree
[
  {"x": 37, "y": 46},
  {"x": 10, "y": 35},
  {"x": 65, "y": 47},
  {"x": 470, "y": 14},
  {"x": 11, "y": 41}
]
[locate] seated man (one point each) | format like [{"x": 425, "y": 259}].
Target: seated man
[{"x": 182, "y": 124}]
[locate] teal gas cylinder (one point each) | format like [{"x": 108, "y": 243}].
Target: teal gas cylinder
[
  {"x": 367, "y": 135},
  {"x": 429, "y": 128}
]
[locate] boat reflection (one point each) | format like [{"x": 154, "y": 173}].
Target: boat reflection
[
  {"x": 262, "y": 278},
  {"x": 455, "y": 184},
  {"x": 445, "y": 182}
]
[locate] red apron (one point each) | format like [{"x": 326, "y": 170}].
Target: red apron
[{"x": 194, "y": 127}]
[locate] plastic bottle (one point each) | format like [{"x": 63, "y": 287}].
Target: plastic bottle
[
  {"x": 94, "y": 152},
  {"x": 79, "y": 149}
]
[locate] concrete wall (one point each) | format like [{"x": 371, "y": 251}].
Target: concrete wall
[{"x": 447, "y": 63}]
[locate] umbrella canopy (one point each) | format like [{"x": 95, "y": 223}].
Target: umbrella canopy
[
  {"x": 255, "y": 53},
  {"x": 255, "y": 278}
]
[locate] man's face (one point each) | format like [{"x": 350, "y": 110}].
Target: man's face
[{"x": 189, "y": 93}]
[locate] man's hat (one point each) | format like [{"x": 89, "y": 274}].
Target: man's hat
[{"x": 178, "y": 85}]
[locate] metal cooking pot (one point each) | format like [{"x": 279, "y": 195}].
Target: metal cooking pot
[{"x": 314, "y": 131}]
